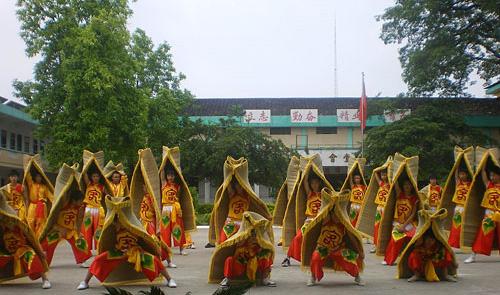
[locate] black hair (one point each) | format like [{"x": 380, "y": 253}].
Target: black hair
[
  {"x": 433, "y": 176},
  {"x": 169, "y": 171},
  {"x": 495, "y": 169},
  {"x": 13, "y": 173}
]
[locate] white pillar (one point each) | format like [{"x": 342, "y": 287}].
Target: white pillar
[{"x": 207, "y": 191}]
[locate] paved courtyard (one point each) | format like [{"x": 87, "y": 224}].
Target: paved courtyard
[{"x": 191, "y": 275}]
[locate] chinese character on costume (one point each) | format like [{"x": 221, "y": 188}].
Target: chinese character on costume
[
  {"x": 331, "y": 242},
  {"x": 455, "y": 192},
  {"x": 177, "y": 211},
  {"x": 355, "y": 181},
  {"x": 145, "y": 195},
  {"x": 20, "y": 251},
  {"x": 40, "y": 193},
  {"x": 65, "y": 218},
  {"x": 247, "y": 255},
  {"x": 117, "y": 179},
  {"x": 14, "y": 192},
  {"x": 304, "y": 206},
  {"x": 372, "y": 208},
  {"x": 399, "y": 220},
  {"x": 127, "y": 253},
  {"x": 428, "y": 256},
  {"x": 481, "y": 224}
]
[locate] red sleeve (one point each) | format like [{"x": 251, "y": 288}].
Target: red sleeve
[{"x": 490, "y": 184}]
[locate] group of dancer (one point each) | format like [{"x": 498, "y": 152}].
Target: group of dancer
[
  {"x": 132, "y": 224},
  {"x": 406, "y": 225},
  {"x": 99, "y": 214}
]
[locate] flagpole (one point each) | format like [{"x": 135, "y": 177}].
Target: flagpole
[{"x": 362, "y": 116}]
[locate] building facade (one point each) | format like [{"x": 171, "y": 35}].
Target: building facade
[
  {"x": 327, "y": 126},
  {"x": 17, "y": 138}
]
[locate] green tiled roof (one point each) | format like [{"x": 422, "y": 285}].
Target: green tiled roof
[{"x": 15, "y": 113}]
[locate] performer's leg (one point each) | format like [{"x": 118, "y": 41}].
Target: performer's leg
[
  {"x": 178, "y": 234},
  {"x": 415, "y": 264},
  {"x": 317, "y": 262},
  {"x": 396, "y": 244},
  {"x": 485, "y": 236},
  {"x": 166, "y": 227},
  {"x": 456, "y": 227},
  {"x": 264, "y": 267},
  {"x": 376, "y": 227},
  {"x": 101, "y": 267},
  {"x": 85, "y": 283},
  {"x": 350, "y": 262},
  {"x": 80, "y": 249},
  {"x": 49, "y": 248},
  {"x": 296, "y": 247}
]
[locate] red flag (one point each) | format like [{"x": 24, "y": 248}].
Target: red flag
[{"x": 363, "y": 107}]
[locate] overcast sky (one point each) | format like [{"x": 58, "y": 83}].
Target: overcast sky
[{"x": 253, "y": 48}]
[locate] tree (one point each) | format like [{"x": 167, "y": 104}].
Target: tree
[
  {"x": 97, "y": 86},
  {"x": 83, "y": 93},
  {"x": 429, "y": 133},
  {"x": 444, "y": 42},
  {"x": 205, "y": 148}
]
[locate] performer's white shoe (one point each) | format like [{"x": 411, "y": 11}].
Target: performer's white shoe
[
  {"x": 86, "y": 263},
  {"x": 224, "y": 282},
  {"x": 171, "y": 265},
  {"x": 413, "y": 278},
  {"x": 449, "y": 278},
  {"x": 311, "y": 282},
  {"x": 46, "y": 284},
  {"x": 359, "y": 281},
  {"x": 267, "y": 282},
  {"x": 171, "y": 283},
  {"x": 184, "y": 253},
  {"x": 373, "y": 249},
  {"x": 82, "y": 286},
  {"x": 471, "y": 258},
  {"x": 384, "y": 262}
]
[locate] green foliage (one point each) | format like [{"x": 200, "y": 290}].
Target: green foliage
[
  {"x": 203, "y": 219},
  {"x": 116, "y": 291},
  {"x": 431, "y": 132},
  {"x": 206, "y": 147},
  {"x": 444, "y": 42},
  {"x": 204, "y": 208},
  {"x": 234, "y": 289},
  {"x": 270, "y": 207},
  {"x": 96, "y": 86}
]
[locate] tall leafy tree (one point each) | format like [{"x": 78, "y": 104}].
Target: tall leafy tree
[
  {"x": 443, "y": 42},
  {"x": 83, "y": 92},
  {"x": 428, "y": 132}
]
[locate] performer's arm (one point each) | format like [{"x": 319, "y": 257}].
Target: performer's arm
[
  {"x": 230, "y": 190},
  {"x": 484, "y": 176},
  {"x": 397, "y": 188},
  {"x": 457, "y": 179},
  {"x": 411, "y": 217},
  {"x": 356, "y": 247},
  {"x": 377, "y": 177},
  {"x": 307, "y": 188},
  {"x": 29, "y": 180},
  {"x": 162, "y": 176},
  {"x": 351, "y": 183},
  {"x": 86, "y": 178}
]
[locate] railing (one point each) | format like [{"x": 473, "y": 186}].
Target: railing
[{"x": 326, "y": 147}]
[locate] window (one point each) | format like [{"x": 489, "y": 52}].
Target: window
[
  {"x": 3, "y": 139},
  {"x": 326, "y": 130},
  {"x": 19, "y": 142},
  {"x": 12, "y": 145},
  {"x": 42, "y": 145},
  {"x": 35, "y": 146},
  {"x": 280, "y": 131},
  {"x": 27, "y": 144}
]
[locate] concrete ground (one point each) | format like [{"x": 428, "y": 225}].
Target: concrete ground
[{"x": 192, "y": 272}]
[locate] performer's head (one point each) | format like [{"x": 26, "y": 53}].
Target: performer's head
[
  {"x": 116, "y": 177},
  {"x": 170, "y": 176},
  {"x": 237, "y": 187},
  {"x": 95, "y": 177},
  {"x": 433, "y": 179},
  {"x": 429, "y": 240},
  {"x": 315, "y": 183},
  {"x": 38, "y": 178},
  {"x": 75, "y": 197},
  {"x": 463, "y": 175},
  {"x": 13, "y": 177},
  {"x": 356, "y": 179},
  {"x": 407, "y": 187},
  {"x": 495, "y": 175},
  {"x": 383, "y": 175}
]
